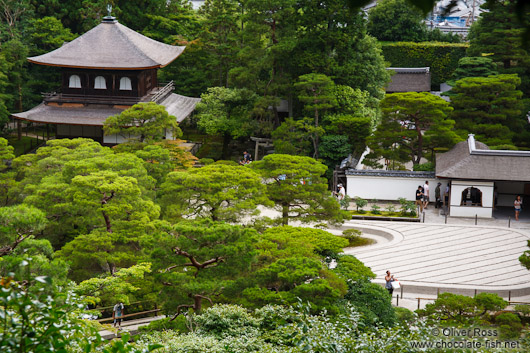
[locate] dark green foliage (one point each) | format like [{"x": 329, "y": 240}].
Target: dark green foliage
[
  {"x": 489, "y": 107},
  {"x": 396, "y": 21},
  {"x": 198, "y": 260},
  {"x": 524, "y": 259},
  {"x": 372, "y": 301},
  {"x": 290, "y": 266},
  {"x": 333, "y": 149},
  {"x": 404, "y": 316},
  {"x": 498, "y": 33},
  {"x": 462, "y": 309},
  {"x": 408, "y": 208},
  {"x": 412, "y": 124},
  {"x": 179, "y": 325},
  {"x": 350, "y": 268},
  {"x": 471, "y": 66},
  {"x": 296, "y": 137},
  {"x": 510, "y": 326},
  {"x": 442, "y": 58},
  {"x": 427, "y": 167},
  {"x": 360, "y": 203},
  {"x": 294, "y": 180},
  {"x": 39, "y": 320}
]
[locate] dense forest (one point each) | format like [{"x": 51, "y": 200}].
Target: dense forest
[{"x": 84, "y": 226}]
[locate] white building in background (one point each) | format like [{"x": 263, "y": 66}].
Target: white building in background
[{"x": 480, "y": 179}]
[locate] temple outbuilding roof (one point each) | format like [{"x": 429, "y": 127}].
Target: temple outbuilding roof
[
  {"x": 113, "y": 46},
  {"x": 96, "y": 114},
  {"x": 473, "y": 160}
]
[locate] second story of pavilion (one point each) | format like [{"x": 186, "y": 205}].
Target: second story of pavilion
[{"x": 110, "y": 64}]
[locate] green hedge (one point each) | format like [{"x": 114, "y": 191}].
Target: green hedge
[{"x": 442, "y": 58}]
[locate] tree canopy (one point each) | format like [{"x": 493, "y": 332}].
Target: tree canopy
[
  {"x": 296, "y": 186},
  {"x": 411, "y": 124},
  {"x": 143, "y": 122}
]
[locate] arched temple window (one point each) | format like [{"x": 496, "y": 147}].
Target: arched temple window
[
  {"x": 125, "y": 84},
  {"x": 471, "y": 197},
  {"x": 74, "y": 81},
  {"x": 100, "y": 83}
]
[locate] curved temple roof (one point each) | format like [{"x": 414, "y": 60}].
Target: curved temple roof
[{"x": 111, "y": 45}]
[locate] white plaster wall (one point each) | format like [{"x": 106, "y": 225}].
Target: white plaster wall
[
  {"x": 116, "y": 138},
  {"x": 458, "y": 186},
  {"x": 388, "y": 188},
  {"x": 124, "y": 137}
]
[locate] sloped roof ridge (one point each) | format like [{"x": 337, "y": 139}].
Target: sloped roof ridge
[
  {"x": 130, "y": 40},
  {"x": 111, "y": 45}
]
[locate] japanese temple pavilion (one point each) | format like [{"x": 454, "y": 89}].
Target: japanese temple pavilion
[{"x": 105, "y": 71}]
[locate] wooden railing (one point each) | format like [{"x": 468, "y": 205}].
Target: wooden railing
[
  {"x": 163, "y": 92},
  {"x": 141, "y": 313},
  {"x": 154, "y": 311}
]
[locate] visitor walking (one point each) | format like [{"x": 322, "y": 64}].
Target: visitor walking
[
  {"x": 419, "y": 198},
  {"x": 341, "y": 193},
  {"x": 389, "y": 279},
  {"x": 426, "y": 194},
  {"x": 447, "y": 193},
  {"x": 517, "y": 204},
  {"x": 117, "y": 314},
  {"x": 437, "y": 196}
]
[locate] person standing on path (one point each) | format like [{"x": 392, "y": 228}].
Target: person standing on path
[
  {"x": 419, "y": 198},
  {"x": 426, "y": 194},
  {"x": 117, "y": 314},
  {"x": 446, "y": 198},
  {"x": 437, "y": 196},
  {"x": 389, "y": 279},
  {"x": 517, "y": 204},
  {"x": 341, "y": 193}
]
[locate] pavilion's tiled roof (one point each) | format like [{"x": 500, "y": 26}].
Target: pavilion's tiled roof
[
  {"x": 111, "y": 45},
  {"x": 179, "y": 106},
  {"x": 74, "y": 115},
  {"x": 474, "y": 160}
]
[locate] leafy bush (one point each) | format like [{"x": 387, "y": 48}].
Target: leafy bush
[
  {"x": 226, "y": 320},
  {"x": 524, "y": 309},
  {"x": 510, "y": 325},
  {"x": 424, "y": 167},
  {"x": 404, "y": 316},
  {"x": 351, "y": 234},
  {"x": 375, "y": 209},
  {"x": 350, "y": 268},
  {"x": 442, "y": 58},
  {"x": 206, "y": 161},
  {"x": 354, "y": 238},
  {"x": 372, "y": 301},
  {"x": 391, "y": 208},
  {"x": 463, "y": 309},
  {"x": 408, "y": 208},
  {"x": 345, "y": 202},
  {"x": 178, "y": 325},
  {"x": 360, "y": 203}
]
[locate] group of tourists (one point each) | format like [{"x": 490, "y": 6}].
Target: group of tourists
[{"x": 422, "y": 196}]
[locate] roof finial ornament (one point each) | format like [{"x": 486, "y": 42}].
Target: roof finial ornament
[{"x": 109, "y": 18}]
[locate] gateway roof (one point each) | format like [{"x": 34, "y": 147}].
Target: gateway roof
[{"x": 474, "y": 160}]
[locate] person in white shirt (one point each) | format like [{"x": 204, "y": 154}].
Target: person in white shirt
[
  {"x": 426, "y": 194},
  {"x": 341, "y": 193},
  {"x": 117, "y": 313}
]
